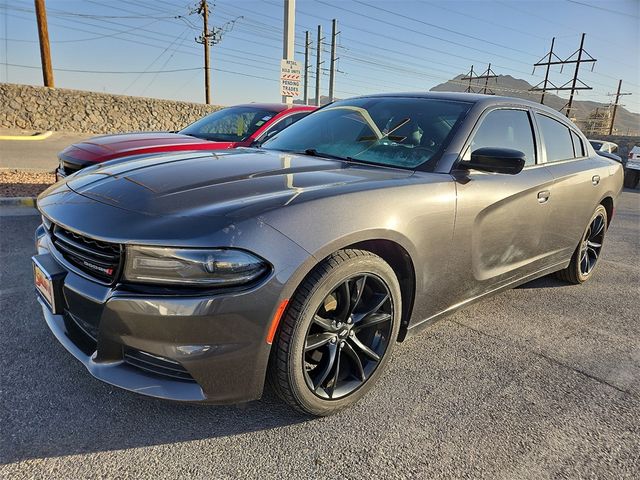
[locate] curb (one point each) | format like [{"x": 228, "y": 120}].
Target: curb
[
  {"x": 37, "y": 136},
  {"x": 18, "y": 202}
]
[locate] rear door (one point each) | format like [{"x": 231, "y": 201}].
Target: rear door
[
  {"x": 500, "y": 218},
  {"x": 577, "y": 186}
]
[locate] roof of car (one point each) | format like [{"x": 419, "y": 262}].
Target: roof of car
[
  {"x": 277, "y": 107},
  {"x": 477, "y": 98},
  {"x": 464, "y": 97}
]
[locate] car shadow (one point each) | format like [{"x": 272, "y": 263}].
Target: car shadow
[
  {"x": 95, "y": 418},
  {"x": 50, "y": 406},
  {"x": 544, "y": 282}
]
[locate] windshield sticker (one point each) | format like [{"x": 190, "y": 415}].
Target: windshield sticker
[{"x": 267, "y": 117}]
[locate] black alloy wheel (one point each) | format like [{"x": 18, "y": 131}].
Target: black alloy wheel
[
  {"x": 337, "y": 333},
  {"x": 586, "y": 255},
  {"x": 348, "y": 336},
  {"x": 592, "y": 244}
]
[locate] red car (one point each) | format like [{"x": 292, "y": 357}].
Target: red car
[{"x": 240, "y": 126}]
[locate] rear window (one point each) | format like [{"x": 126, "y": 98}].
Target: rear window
[
  {"x": 557, "y": 139},
  {"x": 578, "y": 146}
]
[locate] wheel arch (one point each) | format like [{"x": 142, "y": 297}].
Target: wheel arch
[
  {"x": 391, "y": 246},
  {"x": 607, "y": 203}
]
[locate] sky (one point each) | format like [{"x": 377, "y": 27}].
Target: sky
[{"x": 142, "y": 48}]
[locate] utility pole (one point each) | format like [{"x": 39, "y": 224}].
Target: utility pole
[
  {"x": 209, "y": 38},
  {"x": 332, "y": 71},
  {"x": 45, "y": 50},
  {"x": 204, "y": 11},
  {"x": 288, "y": 37},
  {"x": 615, "y": 106},
  {"x": 318, "y": 64},
  {"x": 575, "y": 80},
  {"x": 542, "y": 62},
  {"x": 307, "y": 44},
  {"x": 470, "y": 77}
]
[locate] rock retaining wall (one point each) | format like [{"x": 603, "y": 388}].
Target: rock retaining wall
[{"x": 39, "y": 108}]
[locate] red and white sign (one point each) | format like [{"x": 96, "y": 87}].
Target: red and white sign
[{"x": 290, "y": 77}]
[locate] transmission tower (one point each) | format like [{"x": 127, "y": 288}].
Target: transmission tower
[
  {"x": 545, "y": 61},
  {"x": 577, "y": 58},
  {"x": 469, "y": 76},
  {"x": 486, "y": 76}
]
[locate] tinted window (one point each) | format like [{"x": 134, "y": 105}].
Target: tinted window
[
  {"x": 233, "y": 124},
  {"x": 505, "y": 129},
  {"x": 557, "y": 139},
  {"x": 578, "y": 147},
  {"x": 596, "y": 145},
  {"x": 395, "y": 131}
]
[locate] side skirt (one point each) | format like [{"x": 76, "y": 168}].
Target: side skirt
[{"x": 421, "y": 325}]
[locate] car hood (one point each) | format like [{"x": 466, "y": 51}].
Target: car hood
[
  {"x": 106, "y": 147},
  {"x": 233, "y": 183}
]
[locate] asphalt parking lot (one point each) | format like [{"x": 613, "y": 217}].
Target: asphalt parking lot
[{"x": 538, "y": 382}]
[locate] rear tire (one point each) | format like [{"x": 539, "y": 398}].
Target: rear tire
[
  {"x": 587, "y": 253},
  {"x": 337, "y": 333}
]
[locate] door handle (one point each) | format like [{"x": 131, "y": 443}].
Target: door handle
[
  {"x": 595, "y": 180},
  {"x": 543, "y": 196}
]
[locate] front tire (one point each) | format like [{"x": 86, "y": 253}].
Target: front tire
[
  {"x": 337, "y": 333},
  {"x": 587, "y": 253}
]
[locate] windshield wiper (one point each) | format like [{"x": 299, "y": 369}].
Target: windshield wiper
[{"x": 315, "y": 153}]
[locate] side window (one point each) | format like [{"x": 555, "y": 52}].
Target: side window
[
  {"x": 578, "y": 147},
  {"x": 506, "y": 129},
  {"x": 557, "y": 139},
  {"x": 284, "y": 123}
]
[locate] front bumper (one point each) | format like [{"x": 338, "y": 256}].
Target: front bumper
[
  {"x": 633, "y": 165},
  {"x": 209, "y": 348}
]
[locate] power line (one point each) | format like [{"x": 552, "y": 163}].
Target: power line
[
  {"x": 182, "y": 36},
  {"x": 624, "y": 14},
  {"x": 439, "y": 27},
  {"x": 107, "y": 72}
]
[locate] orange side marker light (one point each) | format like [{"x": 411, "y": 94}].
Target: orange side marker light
[{"x": 276, "y": 321}]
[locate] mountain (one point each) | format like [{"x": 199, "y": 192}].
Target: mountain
[{"x": 626, "y": 122}]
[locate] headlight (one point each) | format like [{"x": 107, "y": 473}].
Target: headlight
[{"x": 191, "y": 266}]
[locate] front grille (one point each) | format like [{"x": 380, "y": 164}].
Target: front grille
[
  {"x": 157, "y": 365},
  {"x": 98, "y": 259}
]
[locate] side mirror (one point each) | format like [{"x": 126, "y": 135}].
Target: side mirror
[{"x": 496, "y": 160}]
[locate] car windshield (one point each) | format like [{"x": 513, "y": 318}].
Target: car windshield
[
  {"x": 234, "y": 124},
  {"x": 395, "y": 131}
]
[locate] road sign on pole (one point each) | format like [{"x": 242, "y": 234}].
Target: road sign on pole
[{"x": 290, "y": 75}]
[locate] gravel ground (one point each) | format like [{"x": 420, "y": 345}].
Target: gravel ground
[
  {"x": 19, "y": 183},
  {"x": 542, "y": 381}
]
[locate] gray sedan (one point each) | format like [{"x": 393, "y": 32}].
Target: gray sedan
[{"x": 198, "y": 276}]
